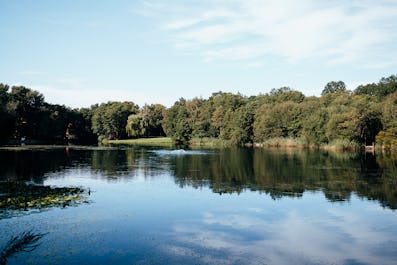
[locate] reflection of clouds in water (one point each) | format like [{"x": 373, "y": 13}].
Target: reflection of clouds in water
[{"x": 290, "y": 239}]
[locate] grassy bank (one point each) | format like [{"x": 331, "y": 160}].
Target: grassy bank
[
  {"x": 218, "y": 143},
  {"x": 301, "y": 143},
  {"x": 158, "y": 141},
  {"x": 208, "y": 142},
  {"x": 167, "y": 142}
]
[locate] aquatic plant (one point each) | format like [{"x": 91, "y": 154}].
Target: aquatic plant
[{"x": 25, "y": 242}]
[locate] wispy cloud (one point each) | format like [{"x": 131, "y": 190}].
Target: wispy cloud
[{"x": 335, "y": 32}]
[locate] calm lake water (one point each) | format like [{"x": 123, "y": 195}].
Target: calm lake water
[{"x": 229, "y": 206}]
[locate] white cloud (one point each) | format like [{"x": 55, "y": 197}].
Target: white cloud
[{"x": 334, "y": 32}]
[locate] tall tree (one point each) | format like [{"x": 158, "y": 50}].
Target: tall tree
[
  {"x": 333, "y": 87},
  {"x": 109, "y": 120},
  {"x": 26, "y": 105},
  {"x": 177, "y": 123}
]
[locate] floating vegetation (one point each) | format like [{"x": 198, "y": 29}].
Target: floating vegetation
[
  {"x": 17, "y": 196},
  {"x": 54, "y": 147}
]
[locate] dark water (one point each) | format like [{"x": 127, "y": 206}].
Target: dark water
[{"x": 232, "y": 206}]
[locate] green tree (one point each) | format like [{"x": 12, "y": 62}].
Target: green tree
[
  {"x": 243, "y": 132},
  {"x": 109, "y": 120},
  {"x": 388, "y": 138},
  {"x": 314, "y": 119},
  {"x": 146, "y": 123},
  {"x": 278, "y": 120},
  {"x": 385, "y": 86},
  {"x": 176, "y": 123},
  {"x": 136, "y": 126},
  {"x": 223, "y": 103},
  {"x": 25, "y": 104},
  {"x": 284, "y": 94},
  {"x": 6, "y": 118},
  {"x": 334, "y": 87},
  {"x": 355, "y": 118}
]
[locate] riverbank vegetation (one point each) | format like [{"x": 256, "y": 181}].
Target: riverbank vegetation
[{"x": 283, "y": 117}]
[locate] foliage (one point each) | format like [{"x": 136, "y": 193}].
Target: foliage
[
  {"x": 176, "y": 123},
  {"x": 110, "y": 119},
  {"x": 25, "y": 114},
  {"x": 334, "y": 87},
  {"x": 337, "y": 116},
  {"x": 387, "y": 139},
  {"x": 385, "y": 86},
  {"x": 278, "y": 120}
]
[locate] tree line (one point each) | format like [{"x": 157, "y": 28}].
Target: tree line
[{"x": 362, "y": 116}]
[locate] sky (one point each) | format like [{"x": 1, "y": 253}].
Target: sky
[{"x": 78, "y": 53}]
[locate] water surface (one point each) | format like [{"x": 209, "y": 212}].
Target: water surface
[{"x": 229, "y": 206}]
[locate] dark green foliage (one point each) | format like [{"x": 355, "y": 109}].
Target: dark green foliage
[
  {"x": 277, "y": 120},
  {"x": 25, "y": 114},
  {"x": 338, "y": 115},
  {"x": 334, "y": 87},
  {"x": 147, "y": 123},
  {"x": 385, "y": 86},
  {"x": 177, "y": 124},
  {"x": 285, "y": 94},
  {"x": 388, "y": 138},
  {"x": 109, "y": 120},
  {"x": 7, "y": 118},
  {"x": 314, "y": 120}
]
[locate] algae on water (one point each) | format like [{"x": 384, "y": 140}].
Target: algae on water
[{"x": 19, "y": 196}]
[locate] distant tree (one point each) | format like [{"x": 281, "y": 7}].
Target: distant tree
[
  {"x": 136, "y": 126},
  {"x": 314, "y": 119},
  {"x": 283, "y": 94},
  {"x": 223, "y": 103},
  {"x": 355, "y": 118},
  {"x": 333, "y": 87},
  {"x": 278, "y": 120},
  {"x": 25, "y": 104},
  {"x": 6, "y": 118},
  {"x": 388, "y": 138},
  {"x": 385, "y": 86},
  {"x": 154, "y": 116},
  {"x": 198, "y": 117},
  {"x": 176, "y": 123},
  {"x": 109, "y": 120},
  {"x": 243, "y": 132},
  {"x": 389, "y": 111},
  {"x": 281, "y": 90}
]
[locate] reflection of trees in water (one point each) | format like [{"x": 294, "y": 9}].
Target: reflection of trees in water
[
  {"x": 277, "y": 172},
  {"x": 26, "y": 241},
  {"x": 289, "y": 173},
  {"x": 113, "y": 164},
  {"x": 34, "y": 164},
  {"x": 31, "y": 165}
]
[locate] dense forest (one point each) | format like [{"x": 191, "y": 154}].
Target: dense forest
[{"x": 338, "y": 117}]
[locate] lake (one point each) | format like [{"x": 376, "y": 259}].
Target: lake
[{"x": 222, "y": 206}]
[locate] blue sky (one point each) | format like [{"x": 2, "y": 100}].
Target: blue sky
[{"x": 79, "y": 53}]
